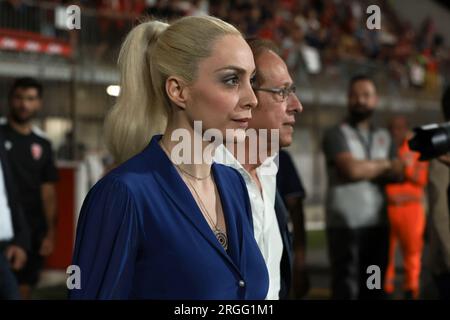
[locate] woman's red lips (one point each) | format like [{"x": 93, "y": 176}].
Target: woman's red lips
[{"x": 243, "y": 122}]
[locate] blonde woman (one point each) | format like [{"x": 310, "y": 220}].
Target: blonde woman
[{"x": 153, "y": 229}]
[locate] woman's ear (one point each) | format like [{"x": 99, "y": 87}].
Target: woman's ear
[{"x": 175, "y": 91}]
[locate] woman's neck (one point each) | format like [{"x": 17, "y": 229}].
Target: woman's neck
[{"x": 192, "y": 158}]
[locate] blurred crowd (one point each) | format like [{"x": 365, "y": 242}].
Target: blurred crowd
[
  {"x": 318, "y": 34},
  {"x": 316, "y": 37},
  {"x": 321, "y": 36}
]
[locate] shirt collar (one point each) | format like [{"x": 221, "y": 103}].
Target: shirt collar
[{"x": 223, "y": 156}]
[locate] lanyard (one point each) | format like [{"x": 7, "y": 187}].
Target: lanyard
[{"x": 366, "y": 144}]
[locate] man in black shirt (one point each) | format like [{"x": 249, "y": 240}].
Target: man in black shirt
[{"x": 35, "y": 174}]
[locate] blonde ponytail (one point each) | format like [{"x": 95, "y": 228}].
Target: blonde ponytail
[{"x": 137, "y": 114}]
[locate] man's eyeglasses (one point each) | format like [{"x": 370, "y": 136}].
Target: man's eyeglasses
[{"x": 281, "y": 93}]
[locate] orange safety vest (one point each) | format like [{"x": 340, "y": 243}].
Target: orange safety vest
[{"x": 411, "y": 190}]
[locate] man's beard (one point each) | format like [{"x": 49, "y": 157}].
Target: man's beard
[
  {"x": 359, "y": 114},
  {"x": 21, "y": 120}
]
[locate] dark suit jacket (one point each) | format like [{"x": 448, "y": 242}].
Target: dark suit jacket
[
  {"x": 21, "y": 230},
  {"x": 288, "y": 248}
]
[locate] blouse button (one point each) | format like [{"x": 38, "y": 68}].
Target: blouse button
[{"x": 241, "y": 283}]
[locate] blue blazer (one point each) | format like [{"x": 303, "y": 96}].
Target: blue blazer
[{"x": 141, "y": 235}]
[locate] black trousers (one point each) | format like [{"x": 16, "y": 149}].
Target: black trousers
[
  {"x": 30, "y": 273},
  {"x": 351, "y": 252},
  {"x": 9, "y": 289},
  {"x": 443, "y": 284}
]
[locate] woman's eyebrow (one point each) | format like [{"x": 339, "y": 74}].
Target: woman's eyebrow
[{"x": 235, "y": 68}]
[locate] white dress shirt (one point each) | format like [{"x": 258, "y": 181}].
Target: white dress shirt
[
  {"x": 6, "y": 227},
  {"x": 265, "y": 223}
]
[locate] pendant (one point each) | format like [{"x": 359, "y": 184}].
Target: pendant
[{"x": 222, "y": 238}]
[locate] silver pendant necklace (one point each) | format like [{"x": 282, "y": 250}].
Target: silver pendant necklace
[{"x": 218, "y": 233}]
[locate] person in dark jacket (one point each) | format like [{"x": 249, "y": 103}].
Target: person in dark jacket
[
  {"x": 291, "y": 196},
  {"x": 14, "y": 233}
]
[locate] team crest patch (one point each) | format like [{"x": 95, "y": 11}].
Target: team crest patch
[
  {"x": 36, "y": 151},
  {"x": 8, "y": 145}
]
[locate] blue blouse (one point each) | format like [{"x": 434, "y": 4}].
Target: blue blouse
[{"x": 141, "y": 235}]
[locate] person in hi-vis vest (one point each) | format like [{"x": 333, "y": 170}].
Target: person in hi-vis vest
[{"x": 406, "y": 212}]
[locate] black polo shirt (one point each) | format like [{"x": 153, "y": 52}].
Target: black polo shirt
[{"x": 32, "y": 165}]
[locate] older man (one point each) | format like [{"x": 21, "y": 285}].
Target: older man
[{"x": 275, "y": 114}]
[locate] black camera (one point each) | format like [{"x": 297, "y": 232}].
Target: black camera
[{"x": 431, "y": 140}]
